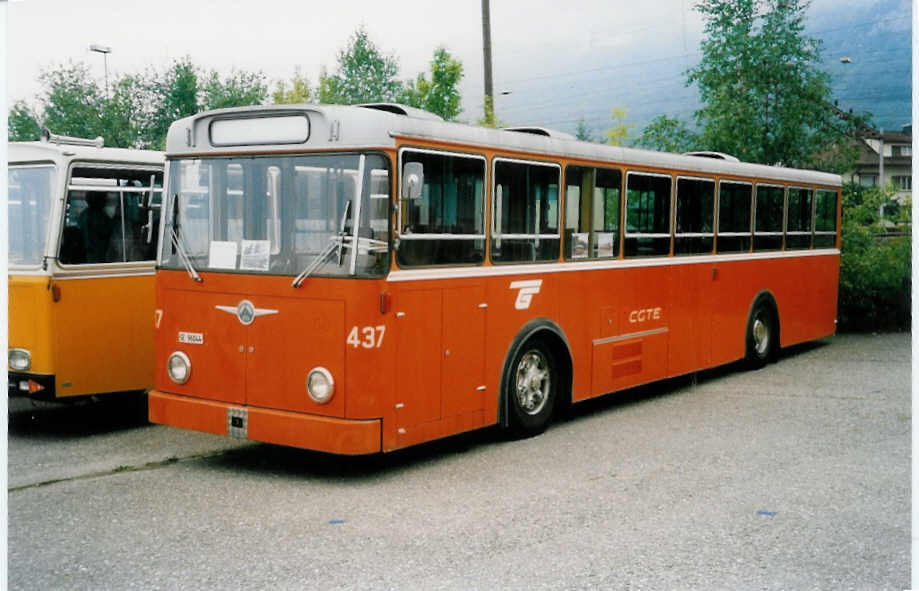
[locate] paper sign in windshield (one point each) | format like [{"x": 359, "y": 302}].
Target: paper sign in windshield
[
  {"x": 222, "y": 255},
  {"x": 255, "y": 255}
]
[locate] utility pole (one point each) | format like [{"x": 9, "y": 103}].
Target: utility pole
[
  {"x": 486, "y": 49},
  {"x": 104, "y": 50}
]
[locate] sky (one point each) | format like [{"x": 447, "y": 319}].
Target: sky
[{"x": 558, "y": 65}]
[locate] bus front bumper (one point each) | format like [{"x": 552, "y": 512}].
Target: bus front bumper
[{"x": 327, "y": 434}]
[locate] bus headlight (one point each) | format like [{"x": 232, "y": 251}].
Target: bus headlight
[
  {"x": 20, "y": 359},
  {"x": 178, "y": 367},
  {"x": 320, "y": 385}
]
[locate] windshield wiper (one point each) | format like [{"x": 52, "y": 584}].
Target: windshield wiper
[
  {"x": 177, "y": 243},
  {"x": 335, "y": 241}
]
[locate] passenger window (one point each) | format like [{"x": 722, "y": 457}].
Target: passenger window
[
  {"x": 695, "y": 216},
  {"x": 735, "y": 207},
  {"x": 111, "y": 216},
  {"x": 525, "y": 225},
  {"x": 647, "y": 222},
  {"x": 825, "y": 220},
  {"x": 445, "y": 225},
  {"x": 767, "y": 231},
  {"x": 592, "y": 223},
  {"x": 798, "y": 224}
]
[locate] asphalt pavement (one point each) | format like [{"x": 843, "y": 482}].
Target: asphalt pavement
[{"x": 795, "y": 476}]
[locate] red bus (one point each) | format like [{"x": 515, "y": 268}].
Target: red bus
[{"x": 362, "y": 279}]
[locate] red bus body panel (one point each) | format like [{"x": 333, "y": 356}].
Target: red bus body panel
[{"x": 437, "y": 368}]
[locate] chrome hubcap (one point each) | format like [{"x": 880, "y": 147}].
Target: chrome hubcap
[
  {"x": 533, "y": 382},
  {"x": 760, "y": 336}
]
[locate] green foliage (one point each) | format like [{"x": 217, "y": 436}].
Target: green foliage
[
  {"x": 439, "y": 95},
  {"x": 364, "y": 74},
  {"x": 138, "y": 110},
  {"x": 618, "y": 134},
  {"x": 22, "y": 123},
  {"x": 583, "y": 131},
  {"x": 168, "y": 95},
  {"x": 299, "y": 90},
  {"x": 764, "y": 98},
  {"x": 667, "y": 135},
  {"x": 875, "y": 268},
  {"x": 74, "y": 101},
  {"x": 237, "y": 89}
]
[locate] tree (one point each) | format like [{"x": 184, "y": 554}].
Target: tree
[
  {"x": 169, "y": 96},
  {"x": 583, "y": 131},
  {"x": 618, "y": 134},
  {"x": 667, "y": 135},
  {"x": 439, "y": 95},
  {"x": 764, "y": 98},
  {"x": 875, "y": 266},
  {"x": 139, "y": 109},
  {"x": 22, "y": 124},
  {"x": 73, "y": 102},
  {"x": 364, "y": 74},
  {"x": 299, "y": 90},
  {"x": 124, "y": 114},
  {"x": 237, "y": 89}
]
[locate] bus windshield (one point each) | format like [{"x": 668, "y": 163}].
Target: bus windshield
[
  {"x": 29, "y": 209},
  {"x": 279, "y": 215}
]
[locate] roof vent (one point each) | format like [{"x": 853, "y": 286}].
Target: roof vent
[
  {"x": 53, "y": 138},
  {"x": 402, "y": 110},
  {"x": 543, "y": 131},
  {"x": 713, "y": 156}
]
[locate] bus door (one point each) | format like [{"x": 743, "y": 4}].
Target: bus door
[
  {"x": 440, "y": 356},
  {"x": 107, "y": 248}
]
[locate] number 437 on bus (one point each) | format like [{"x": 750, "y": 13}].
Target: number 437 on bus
[{"x": 368, "y": 337}]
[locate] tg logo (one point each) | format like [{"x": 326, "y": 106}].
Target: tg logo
[{"x": 527, "y": 290}]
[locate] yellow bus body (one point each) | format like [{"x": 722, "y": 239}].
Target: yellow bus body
[
  {"x": 97, "y": 338},
  {"x": 86, "y": 327}
]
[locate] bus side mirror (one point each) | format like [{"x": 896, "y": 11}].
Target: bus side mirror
[{"x": 412, "y": 180}]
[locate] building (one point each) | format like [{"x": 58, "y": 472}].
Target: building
[{"x": 897, "y": 163}]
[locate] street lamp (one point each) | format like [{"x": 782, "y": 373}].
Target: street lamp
[{"x": 104, "y": 50}]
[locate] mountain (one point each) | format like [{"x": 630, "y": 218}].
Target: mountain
[{"x": 647, "y": 78}]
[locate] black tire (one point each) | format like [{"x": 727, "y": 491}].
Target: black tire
[
  {"x": 762, "y": 335},
  {"x": 532, "y": 388}
]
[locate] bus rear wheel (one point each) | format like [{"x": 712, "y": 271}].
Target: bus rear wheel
[
  {"x": 532, "y": 388},
  {"x": 761, "y": 335}
]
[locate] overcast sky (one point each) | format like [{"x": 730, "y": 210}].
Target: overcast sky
[{"x": 533, "y": 40}]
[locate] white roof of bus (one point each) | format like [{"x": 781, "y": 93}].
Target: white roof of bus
[
  {"x": 351, "y": 127},
  {"x": 25, "y": 152}
]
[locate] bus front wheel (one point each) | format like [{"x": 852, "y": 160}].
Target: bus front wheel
[{"x": 532, "y": 388}]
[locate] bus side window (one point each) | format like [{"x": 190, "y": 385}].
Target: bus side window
[
  {"x": 767, "y": 227},
  {"x": 799, "y": 220},
  {"x": 592, "y": 224},
  {"x": 825, "y": 219},
  {"x": 695, "y": 216},
  {"x": 525, "y": 226},
  {"x": 92, "y": 231},
  {"x": 108, "y": 218},
  {"x": 647, "y": 222},
  {"x": 445, "y": 225},
  {"x": 735, "y": 211}
]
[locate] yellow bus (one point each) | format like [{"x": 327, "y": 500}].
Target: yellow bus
[{"x": 82, "y": 250}]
